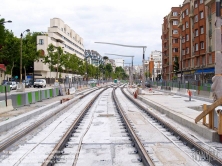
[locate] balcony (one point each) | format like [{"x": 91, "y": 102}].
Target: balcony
[
  {"x": 191, "y": 15},
  {"x": 207, "y": 2},
  {"x": 173, "y": 18},
  {"x": 180, "y": 24}
]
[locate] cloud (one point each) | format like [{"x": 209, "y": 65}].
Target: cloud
[{"x": 124, "y": 22}]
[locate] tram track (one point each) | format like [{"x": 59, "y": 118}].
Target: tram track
[
  {"x": 24, "y": 131},
  {"x": 57, "y": 151},
  {"x": 145, "y": 158},
  {"x": 205, "y": 154}
]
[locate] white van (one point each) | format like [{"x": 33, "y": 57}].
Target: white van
[{"x": 40, "y": 83}]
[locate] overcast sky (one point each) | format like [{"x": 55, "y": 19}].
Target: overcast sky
[{"x": 136, "y": 22}]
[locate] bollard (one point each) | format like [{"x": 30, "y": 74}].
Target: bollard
[
  {"x": 189, "y": 94},
  {"x": 6, "y": 97}
]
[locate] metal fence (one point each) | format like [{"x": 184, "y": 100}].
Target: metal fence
[{"x": 195, "y": 85}]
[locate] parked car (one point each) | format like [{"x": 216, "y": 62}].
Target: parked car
[
  {"x": 39, "y": 83},
  {"x": 28, "y": 83},
  {"x": 13, "y": 85},
  {"x": 92, "y": 81},
  {"x": 4, "y": 82},
  {"x": 147, "y": 84}
]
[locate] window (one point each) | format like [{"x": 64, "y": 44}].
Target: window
[
  {"x": 203, "y": 60},
  {"x": 175, "y": 40},
  {"x": 187, "y": 12},
  {"x": 196, "y": 47},
  {"x": 183, "y": 28},
  {"x": 62, "y": 29},
  {"x": 196, "y": 32},
  {"x": 201, "y": 29},
  {"x": 210, "y": 59},
  {"x": 183, "y": 39},
  {"x": 174, "y": 13},
  {"x": 202, "y": 45},
  {"x": 196, "y": 18},
  {"x": 183, "y": 52},
  {"x": 187, "y": 37},
  {"x": 195, "y": 4},
  {"x": 187, "y": 50},
  {"x": 201, "y": 15},
  {"x": 175, "y": 31},
  {"x": 201, "y": 1},
  {"x": 41, "y": 41},
  {"x": 175, "y": 22},
  {"x": 183, "y": 15},
  {"x": 175, "y": 49},
  {"x": 187, "y": 25}
]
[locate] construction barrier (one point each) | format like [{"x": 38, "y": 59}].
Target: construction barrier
[
  {"x": 2, "y": 88},
  {"x": 4, "y": 108},
  {"x": 27, "y": 98}
]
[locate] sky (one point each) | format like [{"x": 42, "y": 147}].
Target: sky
[{"x": 136, "y": 22}]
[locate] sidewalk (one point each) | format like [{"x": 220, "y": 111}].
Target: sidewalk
[{"x": 179, "y": 109}]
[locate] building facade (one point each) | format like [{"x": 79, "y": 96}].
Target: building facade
[
  {"x": 196, "y": 58},
  {"x": 156, "y": 57},
  {"x": 60, "y": 35},
  {"x": 119, "y": 63},
  {"x": 93, "y": 57},
  {"x": 170, "y": 42}
]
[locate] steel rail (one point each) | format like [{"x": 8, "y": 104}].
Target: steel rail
[
  {"x": 9, "y": 141},
  {"x": 211, "y": 157},
  {"x": 57, "y": 151},
  {"x": 145, "y": 158}
]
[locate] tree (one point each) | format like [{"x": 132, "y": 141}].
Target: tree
[
  {"x": 50, "y": 58},
  {"x": 29, "y": 50},
  {"x": 2, "y": 32},
  {"x": 10, "y": 51},
  {"x": 175, "y": 64},
  {"x": 109, "y": 70}
]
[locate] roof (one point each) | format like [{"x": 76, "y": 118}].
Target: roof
[{"x": 2, "y": 67}]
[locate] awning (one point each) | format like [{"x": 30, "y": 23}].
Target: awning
[
  {"x": 209, "y": 70},
  {"x": 2, "y": 67}
]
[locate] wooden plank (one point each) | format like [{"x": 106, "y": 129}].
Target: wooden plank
[
  {"x": 204, "y": 118},
  {"x": 211, "y": 120},
  {"x": 209, "y": 109},
  {"x": 220, "y": 124}
]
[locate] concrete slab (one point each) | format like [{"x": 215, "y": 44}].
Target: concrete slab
[{"x": 180, "y": 110}]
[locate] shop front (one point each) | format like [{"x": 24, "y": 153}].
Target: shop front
[{"x": 205, "y": 75}]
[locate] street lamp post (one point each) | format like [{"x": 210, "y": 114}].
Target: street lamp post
[
  {"x": 131, "y": 75},
  {"x": 143, "y": 47},
  {"x": 27, "y": 30}
]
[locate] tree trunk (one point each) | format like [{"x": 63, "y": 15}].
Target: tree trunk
[
  {"x": 25, "y": 72},
  {"x": 13, "y": 64}
]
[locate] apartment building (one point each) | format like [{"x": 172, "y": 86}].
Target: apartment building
[
  {"x": 119, "y": 62},
  {"x": 156, "y": 57},
  {"x": 197, "y": 55},
  {"x": 93, "y": 57},
  {"x": 60, "y": 35},
  {"x": 170, "y": 42}
]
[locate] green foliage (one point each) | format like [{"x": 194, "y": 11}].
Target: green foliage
[
  {"x": 2, "y": 32},
  {"x": 10, "y": 51},
  {"x": 175, "y": 64}
]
